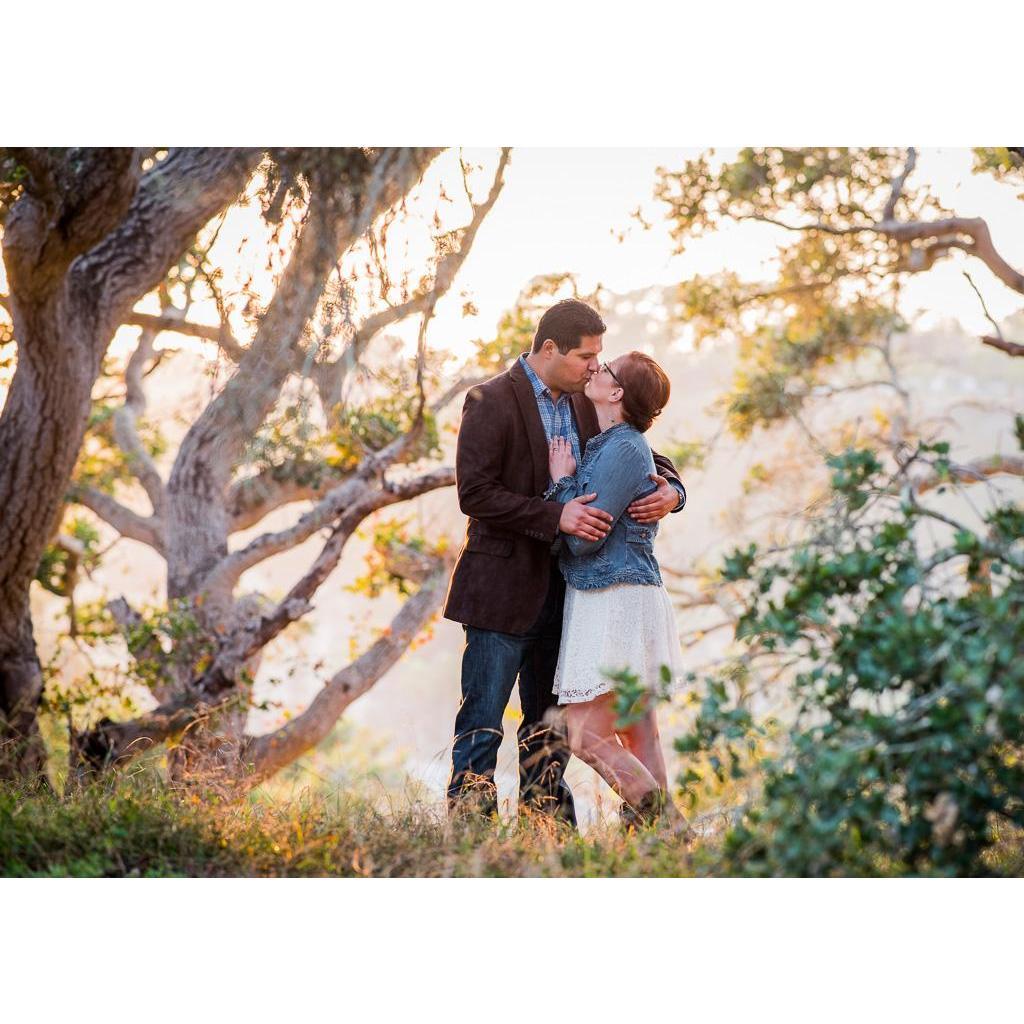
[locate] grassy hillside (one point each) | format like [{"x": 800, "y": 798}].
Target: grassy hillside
[{"x": 136, "y": 827}]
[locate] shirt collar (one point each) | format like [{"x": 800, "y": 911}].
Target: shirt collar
[{"x": 539, "y": 387}]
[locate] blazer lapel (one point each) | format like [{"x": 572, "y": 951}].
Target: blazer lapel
[{"x": 534, "y": 427}]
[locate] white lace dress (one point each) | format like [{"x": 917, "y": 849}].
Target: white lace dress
[{"x": 624, "y": 626}]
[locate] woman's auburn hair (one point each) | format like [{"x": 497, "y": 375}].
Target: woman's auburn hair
[{"x": 645, "y": 389}]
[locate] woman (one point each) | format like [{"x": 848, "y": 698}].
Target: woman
[{"x": 618, "y": 616}]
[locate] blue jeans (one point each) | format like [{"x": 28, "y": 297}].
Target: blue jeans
[{"x": 491, "y": 662}]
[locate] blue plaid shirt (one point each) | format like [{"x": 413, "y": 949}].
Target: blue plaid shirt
[{"x": 556, "y": 416}]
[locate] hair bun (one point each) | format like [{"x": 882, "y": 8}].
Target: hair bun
[{"x": 645, "y": 389}]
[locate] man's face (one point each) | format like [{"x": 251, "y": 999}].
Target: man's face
[{"x": 571, "y": 372}]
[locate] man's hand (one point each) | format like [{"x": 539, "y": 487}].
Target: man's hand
[
  {"x": 656, "y": 505},
  {"x": 587, "y": 523}
]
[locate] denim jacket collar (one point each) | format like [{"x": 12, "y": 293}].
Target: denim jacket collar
[{"x": 598, "y": 441}]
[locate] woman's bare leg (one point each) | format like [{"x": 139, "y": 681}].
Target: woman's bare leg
[
  {"x": 592, "y": 738},
  {"x": 643, "y": 741}
]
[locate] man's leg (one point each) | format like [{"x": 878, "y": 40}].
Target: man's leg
[
  {"x": 544, "y": 750},
  {"x": 490, "y": 664}
]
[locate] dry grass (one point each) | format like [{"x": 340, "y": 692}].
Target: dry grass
[{"x": 138, "y": 827}]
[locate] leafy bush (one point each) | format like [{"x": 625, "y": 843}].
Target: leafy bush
[{"x": 902, "y": 750}]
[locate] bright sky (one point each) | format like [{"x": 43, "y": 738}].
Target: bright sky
[{"x": 562, "y": 208}]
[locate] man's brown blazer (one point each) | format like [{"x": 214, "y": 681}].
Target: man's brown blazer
[{"x": 501, "y": 470}]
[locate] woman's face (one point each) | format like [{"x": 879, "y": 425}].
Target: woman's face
[{"x": 603, "y": 388}]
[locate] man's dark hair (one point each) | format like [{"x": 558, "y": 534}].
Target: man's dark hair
[{"x": 565, "y": 323}]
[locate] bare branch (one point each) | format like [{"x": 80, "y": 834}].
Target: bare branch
[
  {"x": 174, "y": 321},
  {"x": 972, "y": 233},
  {"x": 356, "y": 492},
  {"x": 827, "y": 390},
  {"x": 984, "y": 307},
  {"x": 828, "y": 229},
  {"x": 974, "y": 472},
  {"x": 258, "y": 632},
  {"x": 1011, "y": 348},
  {"x": 462, "y": 384},
  {"x": 253, "y": 497},
  {"x": 330, "y": 376},
  {"x": 897, "y": 186},
  {"x": 271, "y": 752},
  {"x": 230, "y": 568},
  {"x": 173, "y": 201},
  {"x": 125, "y": 430},
  {"x": 112, "y": 742},
  {"x": 170, "y": 322},
  {"x": 128, "y": 523}
]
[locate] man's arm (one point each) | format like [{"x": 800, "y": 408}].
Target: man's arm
[
  {"x": 479, "y": 456},
  {"x": 670, "y": 495}
]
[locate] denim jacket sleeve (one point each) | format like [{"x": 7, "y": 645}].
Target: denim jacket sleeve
[
  {"x": 563, "y": 490},
  {"x": 617, "y": 474}
]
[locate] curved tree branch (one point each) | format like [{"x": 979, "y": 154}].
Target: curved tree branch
[
  {"x": 974, "y": 472},
  {"x": 252, "y": 498},
  {"x": 268, "y": 753},
  {"x": 330, "y": 376},
  {"x": 1011, "y": 348},
  {"x": 353, "y": 494},
  {"x": 73, "y": 199},
  {"x": 175, "y": 198},
  {"x": 889, "y": 212},
  {"x": 971, "y": 234},
  {"x": 125, "y": 430},
  {"x": 128, "y": 523},
  {"x": 169, "y": 322},
  {"x": 113, "y": 740}
]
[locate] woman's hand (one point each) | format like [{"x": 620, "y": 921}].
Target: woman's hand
[{"x": 560, "y": 460}]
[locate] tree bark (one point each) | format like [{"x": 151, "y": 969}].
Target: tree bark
[
  {"x": 265, "y": 755},
  {"x": 203, "y": 707},
  {"x": 41, "y": 430},
  {"x": 22, "y": 753},
  {"x": 84, "y": 243},
  {"x": 199, "y": 517}
]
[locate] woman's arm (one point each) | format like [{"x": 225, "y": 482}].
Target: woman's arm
[
  {"x": 564, "y": 490},
  {"x": 619, "y": 471}
]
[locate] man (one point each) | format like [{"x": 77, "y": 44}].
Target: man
[{"x": 506, "y": 589}]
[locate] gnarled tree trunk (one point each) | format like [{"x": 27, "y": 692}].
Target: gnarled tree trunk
[
  {"x": 90, "y": 236},
  {"x": 202, "y": 709}
]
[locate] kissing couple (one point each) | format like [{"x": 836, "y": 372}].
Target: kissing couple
[{"x": 557, "y": 584}]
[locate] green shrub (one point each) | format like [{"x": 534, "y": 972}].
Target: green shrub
[{"x": 902, "y": 752}]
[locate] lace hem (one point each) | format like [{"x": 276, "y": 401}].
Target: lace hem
[
  {"x": 579, "y": 696},
  {"x": 626, "y": 627}
]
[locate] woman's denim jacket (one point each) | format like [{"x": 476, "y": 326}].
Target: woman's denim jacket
[{"x": 616, "y": 465}]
